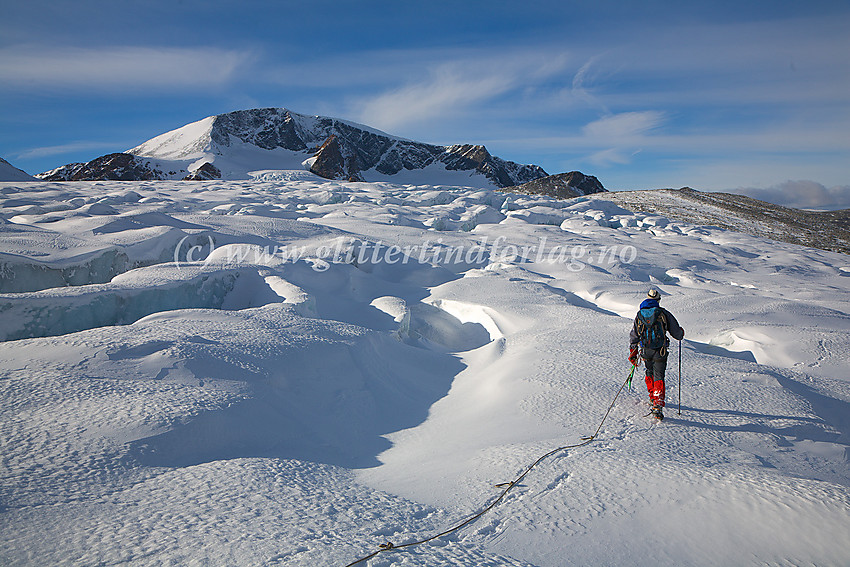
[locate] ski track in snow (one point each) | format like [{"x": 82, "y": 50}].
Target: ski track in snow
[{"x": 236, "y": 373}]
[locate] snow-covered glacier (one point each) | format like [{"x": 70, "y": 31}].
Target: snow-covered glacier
[{"x": 296, "y": 371}]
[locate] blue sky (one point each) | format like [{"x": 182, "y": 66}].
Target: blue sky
[{"x": 747, "y": 96}]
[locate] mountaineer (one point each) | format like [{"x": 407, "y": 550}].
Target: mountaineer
[{"x": 649, "y": 339}]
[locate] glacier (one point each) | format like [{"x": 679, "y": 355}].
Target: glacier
[{"x": 293, "y": 371}]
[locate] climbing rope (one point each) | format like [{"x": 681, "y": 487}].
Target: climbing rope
[{"x": 507, "y": 486}]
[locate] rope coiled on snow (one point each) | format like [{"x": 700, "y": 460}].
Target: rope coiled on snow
[{"x": 389, "y": 546}]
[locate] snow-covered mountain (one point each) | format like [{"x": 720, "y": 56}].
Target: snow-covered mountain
[
  {"x": 295, "y": 372},
  {"x": 9, "y": 172},
  {"x": 276, "y": 143}
]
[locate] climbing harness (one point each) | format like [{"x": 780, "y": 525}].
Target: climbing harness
[{"x": 506, "y": 486}]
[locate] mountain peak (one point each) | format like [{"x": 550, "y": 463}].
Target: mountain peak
[
  {"x": 9, "y": 172},
  {"x": 187, "y": 142},
  {"x": 244, "y": 142}
]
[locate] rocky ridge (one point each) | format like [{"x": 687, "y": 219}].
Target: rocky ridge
[
  {"x": 113, "y": 167},
  {"x": 826, "y": 230},
  {"x": 329, "y": 147},
  {"x": 561, "y": 186},
  {"x": 204, "y": 173}
]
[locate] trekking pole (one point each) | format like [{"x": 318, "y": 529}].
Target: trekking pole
[
  {"x": 680, "y": 377},
  {"x": 629, "y": 379}
]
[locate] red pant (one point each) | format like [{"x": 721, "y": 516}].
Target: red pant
[
  {"x": 656, "y": 365},
  {"x": 656, "y": 391}
]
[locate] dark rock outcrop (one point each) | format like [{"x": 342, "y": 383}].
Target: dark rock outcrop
[
  {"x": 561, "y": 186},
  {"x": 115, "y": 167},
  {"x": 359, "y": 147},
  {"x": 266, "y": 128},
  {"x": 204, "y": 173},
  {"x": 61, "y": 173},
  {"x": 330, "y": 163},
  {"x": 502, "y": 173}
]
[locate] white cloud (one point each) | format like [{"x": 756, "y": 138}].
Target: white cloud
[
  {"x": 446, "y": 92},
  {"x": 626, "y": 126},
  {"x": 803, "y": 194},
  {"x": 456, "y": 86},
  {"x": 45, "y": 151},
  {"x": 583, "y": 80},
  {"x": 26, "y": 67},
  {"x": 771, "y": 61},
  {"x": 622, "y": 135},
  {"x": 609, "y": 157}
]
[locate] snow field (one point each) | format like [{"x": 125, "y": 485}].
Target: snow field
[{"x": 254, "y": 374}]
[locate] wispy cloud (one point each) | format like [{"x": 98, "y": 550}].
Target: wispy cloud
[
  {"x": 459, "y": 85},
  {"x": 775, "y": 61},
  {"x": 125, "y": 67},
  {"x": 624, "y": 134},
  {"x": 612, "y": 156},
  {"x": 582, "y": 81},
  {"x": 626, "y": 126},
  {"x": 446, "y": 92},
  {"x": 70, "y": 148}
]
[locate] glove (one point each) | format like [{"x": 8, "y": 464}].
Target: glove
[{"x": 633, "y": 356}]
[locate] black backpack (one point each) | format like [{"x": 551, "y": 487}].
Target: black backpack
[{"x": 652, "y": 328}]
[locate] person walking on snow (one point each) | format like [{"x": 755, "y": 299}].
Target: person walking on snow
[{"x": 649, "y": 332}]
